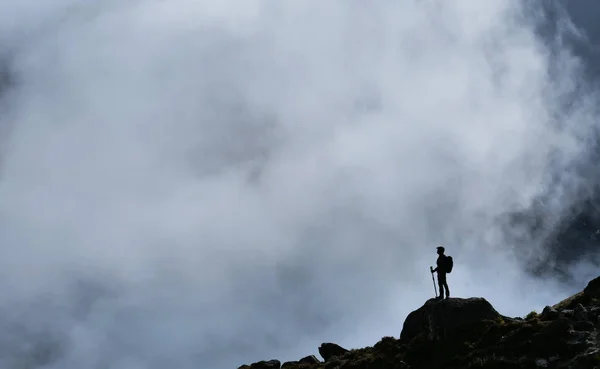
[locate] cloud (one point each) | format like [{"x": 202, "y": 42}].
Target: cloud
[{"x": 193, "y": 183}]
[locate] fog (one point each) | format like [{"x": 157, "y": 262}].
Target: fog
[{"x": 203, "y": 184}]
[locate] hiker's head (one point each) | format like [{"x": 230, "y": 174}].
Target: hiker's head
[{"x": 440, "y": 250}]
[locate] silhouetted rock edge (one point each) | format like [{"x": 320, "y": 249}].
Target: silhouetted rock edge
[{"x": 469, "y": 333}]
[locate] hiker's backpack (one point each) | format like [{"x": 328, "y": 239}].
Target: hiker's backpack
[{"x": 449, "y": 264}]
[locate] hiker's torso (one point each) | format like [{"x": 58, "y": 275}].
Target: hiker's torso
[{"x": 441, "y": 264}]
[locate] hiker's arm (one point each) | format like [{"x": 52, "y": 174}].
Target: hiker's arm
[{"x": 435, "y": 270}]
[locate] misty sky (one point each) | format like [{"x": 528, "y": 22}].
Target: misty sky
[{"x": 203, "y": 184}]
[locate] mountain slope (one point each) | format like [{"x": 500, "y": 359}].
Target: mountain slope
[{"x": 470, "y": 333}]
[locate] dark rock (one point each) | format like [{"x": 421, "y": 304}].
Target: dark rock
[
  {"x": 549, "y": 313},
  {"x": 566, "y": 313},
  {"x": 580, "y": 312},
  {"x": 443, "y": 319},
  {"x": 333, "y": 363},
  {"x": 304, "y": 362},
  {"x": 585, "y": 360},
  {"x": 312, "y": 359},
  {"x": 558, "y": 328},
  {"x": 378, "y": 362},
  {"x": 401, "y": 365},
  {"x": 593, "y": 288},
  {"x": 244, "y": 367},
  {"x": 593, "y": 314},
  {"x": 271, "y": 364},
  {"x": 584, "y": 325},
  {"x": 578, "y": 345},
  {"x": 552, "y": 338},
  {"x": 328, "y": 350}
]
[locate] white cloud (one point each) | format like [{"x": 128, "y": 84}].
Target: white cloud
[{"x": 244, "y": 180}]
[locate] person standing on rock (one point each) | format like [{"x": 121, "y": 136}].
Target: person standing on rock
[{"x": 444, "y": 265}]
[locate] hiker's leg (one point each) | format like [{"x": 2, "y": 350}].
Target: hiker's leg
[
  {"x": 447, "y": 290},
  {"x": 441, "y": 281}
]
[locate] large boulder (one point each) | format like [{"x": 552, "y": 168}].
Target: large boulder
[
  {"x": 329, "y": 350},
  {"x": 549, "y": 313},
  {"x": 447, "y": 319}
]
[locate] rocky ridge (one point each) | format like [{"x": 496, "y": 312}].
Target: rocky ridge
[{"x": 470, "y": 333}]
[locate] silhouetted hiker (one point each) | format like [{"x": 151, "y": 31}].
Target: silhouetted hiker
[{"x": 444, "y": 266}]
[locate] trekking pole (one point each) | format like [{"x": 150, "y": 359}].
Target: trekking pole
[{"x": 433, "y": 279}]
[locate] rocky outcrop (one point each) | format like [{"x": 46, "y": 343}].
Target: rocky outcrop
[
  {"x": 305, "y": 361},
  {"x": 470, "y": 333},
  {"x": 271, "y": 364},
  {"x": 593, "y": 288},
  {"x": 549, "y": 313},
  {"x": 447, "y": 319},
  {"x": 331, "y": 350}
]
